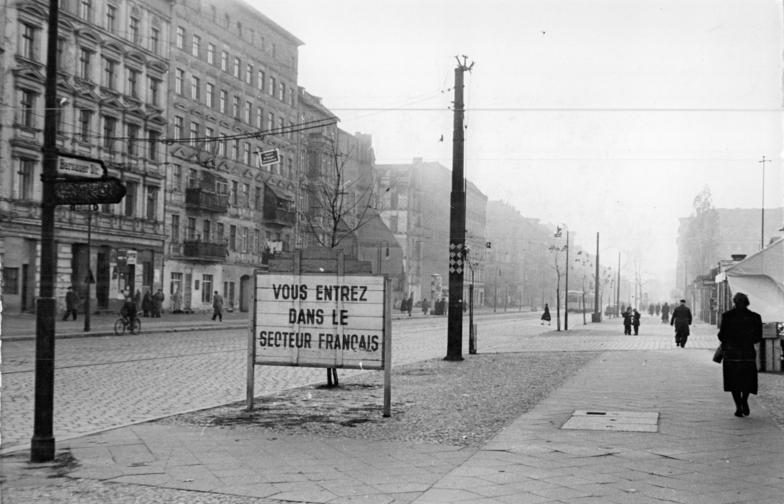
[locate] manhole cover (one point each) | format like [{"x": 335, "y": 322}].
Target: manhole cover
[{"x": 620, "y": 421}]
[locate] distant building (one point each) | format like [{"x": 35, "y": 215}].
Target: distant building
[
  {"x": 738, "y": 232},
  {"x": 414, "y": 202},
  {"x": 112, "y": 95}
]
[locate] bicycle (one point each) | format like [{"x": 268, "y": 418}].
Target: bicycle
[{"x": 122, "y": 324}]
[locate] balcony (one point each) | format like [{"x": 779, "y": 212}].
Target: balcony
[
  {"x": 197, "y": 198},
  {"x": 204, "y": 251},
  {"x": 279, "y": 217}
]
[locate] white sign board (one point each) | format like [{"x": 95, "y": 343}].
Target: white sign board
[
  {"x": 76, "y": 167},
  {"x": 319, "y": 320}
]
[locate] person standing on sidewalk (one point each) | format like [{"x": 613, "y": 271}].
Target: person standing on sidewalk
[
  {"x": 217, "y": 306},
  {"x": 740, "y": 329},
  {"x": 71, "y": 303},
  {"x": 546, "y": 315},
  {"x": 636, "y": 321},
  {"x": 157, "y": 303},
  {"x": 681, "y": 319},
  {"x": 627, "y": 321},
  {"x": 665, "y": 313}
]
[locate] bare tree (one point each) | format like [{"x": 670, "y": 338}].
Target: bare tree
[
  {"x": 557, "y": 267},
  {"x": 340, "y": 197}
]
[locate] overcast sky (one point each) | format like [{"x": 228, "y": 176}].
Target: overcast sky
[{"x": 608, "y": 116}]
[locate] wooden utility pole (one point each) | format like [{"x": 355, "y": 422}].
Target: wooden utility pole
[
  {"x": 457, "y": 223},
  {"x": 597, "y": 317},
  {"x": 42, "y": 444}
]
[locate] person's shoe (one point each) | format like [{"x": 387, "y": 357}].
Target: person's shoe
[
  {"x": 746, "y": 410},
  {"x": 738, "y": 413}
]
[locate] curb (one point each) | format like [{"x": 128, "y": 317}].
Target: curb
[{"x": 103, "y": 332}]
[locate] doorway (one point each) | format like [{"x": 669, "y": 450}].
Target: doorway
[
  {"x": 245, "y": 286},
  {"x": 102, "y": 278}
]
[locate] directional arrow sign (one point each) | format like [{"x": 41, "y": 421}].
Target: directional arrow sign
[
  {"x": 89, "y": 192},
  {"x": 71, "y": 165}
]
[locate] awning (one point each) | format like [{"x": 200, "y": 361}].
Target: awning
[
  {"x": 761, "y": 278},
  {"x": 280, "y": 193}
]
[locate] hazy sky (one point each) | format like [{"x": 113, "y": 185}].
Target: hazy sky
[{"x": 608, "y": 116}]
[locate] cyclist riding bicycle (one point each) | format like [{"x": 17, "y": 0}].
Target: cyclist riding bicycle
[{"x": 128, "y": 311}]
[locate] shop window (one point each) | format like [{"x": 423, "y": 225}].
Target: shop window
[{"x": 11, "y": 280}]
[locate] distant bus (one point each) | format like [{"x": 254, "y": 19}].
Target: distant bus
[{"x": 574, "y": 301}]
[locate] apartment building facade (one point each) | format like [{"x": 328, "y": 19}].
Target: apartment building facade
[
  {"x": 112, "y": 62},
  {"x": 233, "y": 96}
]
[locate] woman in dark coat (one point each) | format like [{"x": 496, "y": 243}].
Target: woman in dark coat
[
  {"x": 740, "y": 329},
  {"x": 546, "y": 315},
  {"x": 146, "y": 304}
]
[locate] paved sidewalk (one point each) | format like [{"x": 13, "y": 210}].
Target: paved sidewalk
[{"x": 698, "y": 453}]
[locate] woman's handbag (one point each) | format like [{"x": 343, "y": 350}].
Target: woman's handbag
[{"x": 718, "y": 355}]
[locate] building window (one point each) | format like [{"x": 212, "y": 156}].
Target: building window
[
  {"x": 234, "y": 193},
  {"x": 249, "y": 74},
  {"x": 194, "y": 132},
  {"x": 195, "y": 87},
  {"x": 130, "y": 198},
  {"x": 153, "y": 138},
  {"x": 281, "y": 126},
  {"x": 175, "y": 228},
  {"x": 233, "y": 238},
  {"x": 246, "y": 193},
  {"x": 222, "y": 145},
  {"x": 109, "y": 73},
  {"x": 180, "y": 37},
  {"x": 175, "y": 286},
  {"x": 62, "y": 45},
  {"x": 209, "y": 135},
  {"x": 111, "y": 18},
  {"x": 190, "y": 231},
  {"x": 196, "y": 46},
  {"x": 270, "y": 121},
  {"x": 29, "y": 41},
  {"x": 260, "y": 118},
  {"x": 211, "y": 53},
  {"x": 133, "y": 83},
  {"x": 235, "y": 150},
  {"x": 27, "y": 108},
  {"x": 133, "y": 30},
  {"x": 271, "y": 87},
  {"x": 133, "y": 139},
  {"x": 152, "y": 202},
  {"x": 155, "y": 40},
  {"x": 235, "y": 107},
  {"x": 193, "y": 178},
  {"x": 219, "y": 234},
  {"x": 176, "y": 176},
  {"x": 224, "y": 61},
  {"x": 86, "y": 10},
  {"x": 11, "y": 281},
  {"x": 257, "y": 198},
  {"x": 179, "y": 76},
  {"x": 260, "y": 80},
  {"x": 256, "y": 241},
  {"x": 25, "y": 181},
  {"x": 210, "y": 95},
  {"x": 282, "y": 92},
  {"x": 237, "y": 68},
  {"x": 246, "y": 153},
  {"x": 179, "y": 127},
  {"x": 155, "y": 91},
  {"x": 222, "y": 101},
  {"x": 206, "y": 288},
  {"x": 248, "y": 108},
  {"x": 85, "y": 57},
  {"x": 245, "y": 241},
  {"x": 109, "y": 132},
  {"x": 85, "y": 120}
]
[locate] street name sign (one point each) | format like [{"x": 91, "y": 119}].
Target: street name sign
[
  {"x": 89, "y": 192},
  {"x": 69, "y": 166}
]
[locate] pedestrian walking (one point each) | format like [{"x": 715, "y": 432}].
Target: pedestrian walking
[
  {"x": 217, "y": 306},
  {"x": 137, "y": 298},
  {"x": 157, "y": 303},
  {"x": 665, "y": 313},
  {"x": 740, "y": 329},
  {"x": 627, "y": 321},
  {"x": 681, "y": 319},
  {"x": 636, "y": 321},
  {"x": 146, "y": 304},
  {"x": 71, "y": 303},
  {"x": 546, "y": 315},
  {"x": 425, "y": 306},
  {"x": 410, "y": 304}
]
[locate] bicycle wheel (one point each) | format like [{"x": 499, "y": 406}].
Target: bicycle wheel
[
  {"x": 137, "y": 326},
  {"x": 119, "y": 327}
]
